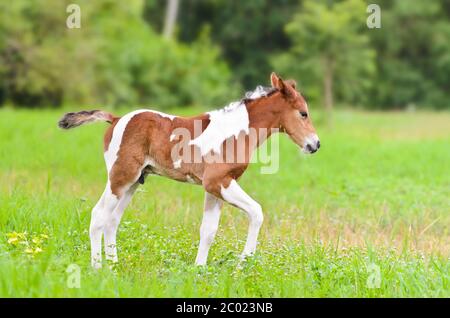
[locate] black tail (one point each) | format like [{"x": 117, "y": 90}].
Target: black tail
[{"x": 72, "y": 120}]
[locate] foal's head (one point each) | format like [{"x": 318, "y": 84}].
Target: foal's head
[{"x": 294, "y": 115}]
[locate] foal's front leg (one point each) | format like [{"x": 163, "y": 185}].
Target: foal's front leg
[
  {"x": 208, "y": 229},
  {"x": 236, "y": 196}
]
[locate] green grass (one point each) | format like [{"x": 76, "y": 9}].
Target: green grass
[{"x": 376, "y": 194}]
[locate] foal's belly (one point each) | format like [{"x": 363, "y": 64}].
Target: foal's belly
[{"x": 182, "y": 173}]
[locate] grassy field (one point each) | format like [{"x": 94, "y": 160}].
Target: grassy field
[{"x": 367, "y": 216}]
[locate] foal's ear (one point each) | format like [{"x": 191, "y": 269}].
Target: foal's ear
[
  {"x": 291, "y": 83},
  {"x": 276, "y": 81},
  {"x": 286, "y": 87}
]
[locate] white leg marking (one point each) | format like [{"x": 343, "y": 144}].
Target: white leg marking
[
  {"x": 112, "y": 223},
  {"x": 236, "y": 196},
  {"x": 96, "y": 235},
  {"x": 208, "y": 229},
  {"x": 102, "y": 209}
]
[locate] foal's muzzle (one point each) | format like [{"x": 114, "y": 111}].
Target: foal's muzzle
[{"x": 312, "y": 144}]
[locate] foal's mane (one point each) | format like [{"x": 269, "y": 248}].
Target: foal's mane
[{"x": 257, "y": 93}]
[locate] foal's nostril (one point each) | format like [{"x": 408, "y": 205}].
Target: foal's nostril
[
  {"x": 309, "y": 148},
  {"x": 318, "y": 144}
]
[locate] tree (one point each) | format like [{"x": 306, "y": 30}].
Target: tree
[
  {"x": 329, "y": 50},
  {"x": 413, "y": 59},
  {"x": 171, "y": 18},
  {"x": 248, "y": 32},
  {"x": 114, "y": 59}
]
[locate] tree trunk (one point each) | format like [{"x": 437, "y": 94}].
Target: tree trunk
[
  {"x": 328, "y": 84},
  {"x": 171, "y": 18}
]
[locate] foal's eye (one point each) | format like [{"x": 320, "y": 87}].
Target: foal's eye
[{"x": 304, "y": 114}]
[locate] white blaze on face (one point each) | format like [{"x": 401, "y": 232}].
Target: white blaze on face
[{"x": 223, "y": 124}]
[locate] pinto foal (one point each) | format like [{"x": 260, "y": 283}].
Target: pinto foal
[{"x": 142, "y": 142}]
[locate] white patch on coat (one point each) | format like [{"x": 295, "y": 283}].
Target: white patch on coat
[
  {"x": 172, "y": 137},
  {"x": 177, "y": 164},
  {"x": 224, "y": 123},
  {"x": 150, "y": 162},
  {"x": 227, "y": 122},
  {"x": 189, "y": 179}
]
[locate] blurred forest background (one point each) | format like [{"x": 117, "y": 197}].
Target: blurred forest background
[{"x": 128, "y": 53}]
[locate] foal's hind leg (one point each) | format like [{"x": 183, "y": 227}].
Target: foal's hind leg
[
  {"x": 112, "y": 223},
  {"x": 95, "y": 234},
  {"x": 107, "y": 203},
  {"x": 105, "y": 219},
  {"x": 122, "y": 183}
]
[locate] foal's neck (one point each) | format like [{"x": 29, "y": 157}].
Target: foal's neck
[{"x": 263, "y": 114}]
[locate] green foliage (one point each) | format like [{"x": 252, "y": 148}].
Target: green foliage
[
  {"x": 247, "y": 31},
  {"x": 413, "y": 54},
  {"x": 406, "y": 62},
  {"x": 114, "y": 59},
  {"x": 30, "y": 59},
  {"x": 328, "y": 37},
  {"x": 177, "y": 74},
  {"x": 118, "y": 57}
]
